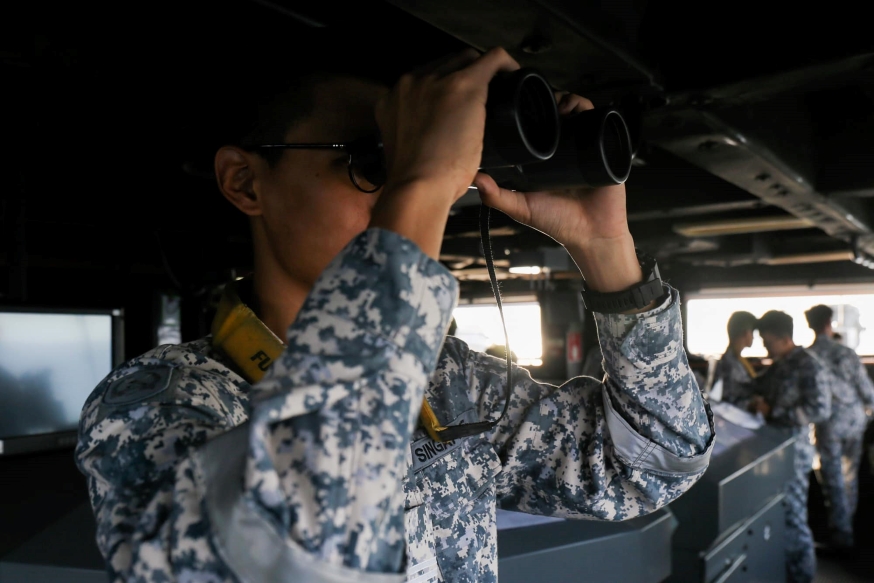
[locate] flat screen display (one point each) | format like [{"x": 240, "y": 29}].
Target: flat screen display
[{"x": 49, "y": 364}]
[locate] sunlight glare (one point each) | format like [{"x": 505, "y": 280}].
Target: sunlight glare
[{"x": 480, "y": 327}]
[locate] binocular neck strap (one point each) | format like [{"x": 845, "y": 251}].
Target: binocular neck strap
[{"x": 454, "y": 432}]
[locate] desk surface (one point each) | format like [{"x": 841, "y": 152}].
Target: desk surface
[{"x": 36, "y": 490}]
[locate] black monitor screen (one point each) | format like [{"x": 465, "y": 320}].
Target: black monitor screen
[{"x": 49, "y": 364}]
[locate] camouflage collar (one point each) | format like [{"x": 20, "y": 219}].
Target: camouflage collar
[{"x": 240, "y": 335}]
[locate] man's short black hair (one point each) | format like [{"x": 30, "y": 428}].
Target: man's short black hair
[
  {"x": 277, "y": 73},
  {"x": 775, "y": 322},
  {"x": 740, "y": 323},
  {"x": 818, "y": 317}
]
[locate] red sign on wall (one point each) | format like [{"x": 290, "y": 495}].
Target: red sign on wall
[{"x": 574, "y": 346}]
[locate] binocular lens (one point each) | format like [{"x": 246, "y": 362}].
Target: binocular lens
[
  {"x": 616, "y": 147},
  {"x": 522, "y": 124},
  {"x": 537, "y": 115}
]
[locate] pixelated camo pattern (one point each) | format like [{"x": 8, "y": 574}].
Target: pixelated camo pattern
[
  {"x": 797, "y": 389},
  {"x": 839, "y": 438},
  {"x": 849, "y": 384},
  {"x": 737, "y": 384},
  {"x": 336, "y": 461}
]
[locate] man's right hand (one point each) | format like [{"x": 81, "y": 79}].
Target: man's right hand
[{"x": 432, "y": 125}]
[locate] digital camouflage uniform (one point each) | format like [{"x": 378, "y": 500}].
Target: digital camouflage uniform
[
  {"x": 319, "y": 473},
  {"x": 737, "y": 383},
  {"x": 839, "y": 438},
  {"x": 796, "y": 388}
]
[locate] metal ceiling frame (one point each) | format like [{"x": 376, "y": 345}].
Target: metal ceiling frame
[{"x": 702, "y": 138}]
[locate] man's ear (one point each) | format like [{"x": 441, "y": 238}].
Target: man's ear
[{"x": 235, "y": 173}]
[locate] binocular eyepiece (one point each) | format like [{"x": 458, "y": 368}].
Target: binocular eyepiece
[{"x": 528, "y": 147}]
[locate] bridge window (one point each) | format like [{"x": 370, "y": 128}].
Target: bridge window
[
  {"x": 480, "y": 327},
  {"x": 707, "y": 317}
]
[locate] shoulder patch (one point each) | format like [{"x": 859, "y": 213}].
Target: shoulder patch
[{"x": 140, "y": 384}]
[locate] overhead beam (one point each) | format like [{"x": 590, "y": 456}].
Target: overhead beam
[
  {"x": 570, "y": 44},
  {"x": 741, "y": 226},
  {"x": 703, "y": 138},
  {"x": 762, "y": 88},
  {"x": 696, "y": 210}
]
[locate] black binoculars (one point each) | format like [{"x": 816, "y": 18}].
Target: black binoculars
[{"x": 528, "y": 147}]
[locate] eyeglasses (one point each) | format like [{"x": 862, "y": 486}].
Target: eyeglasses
[{"x": 366, "y": 164}]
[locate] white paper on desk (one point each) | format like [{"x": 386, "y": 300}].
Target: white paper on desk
[
  {"x": 737, "y": 416},
  {"x": 716, "y": 391}
]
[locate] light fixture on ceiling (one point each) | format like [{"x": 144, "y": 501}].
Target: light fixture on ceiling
[
  {"x": 526, "y": 270},
  {"x": 821, "y": 257},
  {"x": 865, "y": 261},
  {"x": 860, "y": 257},
  {"x": 741, "y": 226}
]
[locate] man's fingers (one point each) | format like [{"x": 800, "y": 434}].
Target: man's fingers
[
  {"x": 491, "y": 62},
  {"x": 447, "y": 64},
  {"x": 513, "y": 204},
  {"x": 455, "y": 62},
  {"x": 570, "y": 103}
]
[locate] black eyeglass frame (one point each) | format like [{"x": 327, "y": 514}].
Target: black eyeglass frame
[{"x": 355, "y": 148}]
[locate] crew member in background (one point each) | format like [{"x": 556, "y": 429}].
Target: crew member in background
[
  {"x": 839, "y": 438},
  {"x": 735, "y": 372},
  {"x": 793, "y": 393}
]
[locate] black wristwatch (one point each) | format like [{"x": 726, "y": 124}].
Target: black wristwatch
[{"x": 636, "y": 297}]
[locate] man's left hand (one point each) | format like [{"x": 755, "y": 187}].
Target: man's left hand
[{"x": 590, "y": 222}]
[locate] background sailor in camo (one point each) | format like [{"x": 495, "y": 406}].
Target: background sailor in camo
[
  {"x": 319, "y": 470},
  {"x": 795, "y": 393},
  {"x": 839, "y": 438},
  {"x": 735, "y": 371}
]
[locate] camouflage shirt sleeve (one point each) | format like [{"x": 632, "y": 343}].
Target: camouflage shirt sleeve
[
  {"x": 321, "y": 459},
  {"x": 332, "y": 420},
  {"x": 136, "y": 434},
  {"x": 852, "y": 368},
  {"x": 612, "y": 450}
]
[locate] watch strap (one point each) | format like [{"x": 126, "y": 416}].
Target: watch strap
[{"x": 635, "y": 298}]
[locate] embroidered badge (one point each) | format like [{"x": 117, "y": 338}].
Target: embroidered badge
[
  {"x": 426, "y": 451},
  {"x": 139, "y": 384}
]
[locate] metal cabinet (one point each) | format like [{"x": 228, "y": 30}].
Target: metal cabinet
[
  {"x": 731, "y": 523},
  {"x": 586, "y": 551}
]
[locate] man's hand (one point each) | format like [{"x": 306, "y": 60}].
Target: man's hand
[
  {"x": 591, "y": 223},
  {"x": 432, "y": 125}
]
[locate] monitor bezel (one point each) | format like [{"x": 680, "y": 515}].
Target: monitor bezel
[{"x": 62, "y": 439}]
